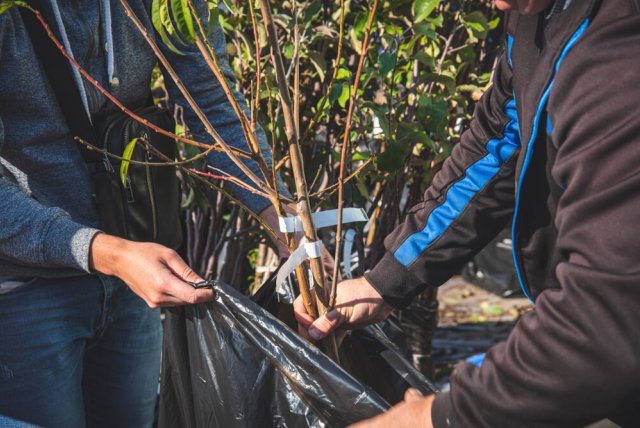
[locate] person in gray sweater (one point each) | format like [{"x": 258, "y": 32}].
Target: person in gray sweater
[{"x": 80, "y": 331}]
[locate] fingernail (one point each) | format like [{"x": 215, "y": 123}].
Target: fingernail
[
  {"x": 315, "y": 333},
  {"x": 414, "y": 392}
]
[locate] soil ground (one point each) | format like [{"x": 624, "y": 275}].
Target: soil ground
[
  {"x": 471, "y": 320},
  {"x": 464, "y": 303}
]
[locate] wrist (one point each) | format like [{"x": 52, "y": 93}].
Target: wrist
[
  {"x": 384, "y": 309},
  {"x": 106, "y": 253}
]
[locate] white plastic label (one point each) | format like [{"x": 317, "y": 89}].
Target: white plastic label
[
  {"x": 311, "y": 250},
  {"x": 323, "y": 219},
  {"x": 314, "y": 249},
  {"x": 349, "y": 237}
]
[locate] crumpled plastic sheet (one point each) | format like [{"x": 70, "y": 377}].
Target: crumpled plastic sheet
[{"x": 230, "y": 363}]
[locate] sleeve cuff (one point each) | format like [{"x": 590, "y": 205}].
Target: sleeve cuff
[
  {"x": 67, "y": 243},
  {"x": 441, "y": 411},
  {"x": 397, "y": 286}
]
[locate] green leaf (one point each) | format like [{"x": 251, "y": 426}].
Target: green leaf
[
  {"x": 493, "y": 24},
  {"x": 425, "y": 29},
  {"x": 159, "y": 23},
  {"x": 189, "y": 199},
  {"x": 426, "y": 59},
  {"x": 288, "y": 51},
  {"x": 360, "y": 156},
  {"x": 126, "y": 155},
  {"x": 183, "y": 19},
  {"x": 312, "y": 11},
  {"x": 392, "y": 159},
  {"x": 448, "y": 82},
  {"x": 214, "y": 14},
  {"x": 438, "y": 21},
  {"x": 6, "y": 5},
  {"x": 434, "y": 110},
  {"x": 422, "y": 9},
  {"x": 232, "y": 7},
  {"x": 336, "y": 91},
  {"x": 319, "y": 64},
  {"x": 344, "y": 95},
  {"x": 165, "y": 18},
  {"x": 386, "y": 63},
  {"x": 477, "y": 24},
  {"x": 343, "y": 74}
]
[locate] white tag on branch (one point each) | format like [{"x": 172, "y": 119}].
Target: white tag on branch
[
  {"x": 349, "y": 238},
  {"x": 308, "y": 250},
  {"x": 314, "y": 249},
  {"x": 323, "y": 219}
]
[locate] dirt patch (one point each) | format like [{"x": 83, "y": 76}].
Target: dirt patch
[{"x": 464, "y": 303}]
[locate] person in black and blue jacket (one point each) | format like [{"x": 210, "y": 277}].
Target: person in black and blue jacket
[{"x": 554, "y": 145}]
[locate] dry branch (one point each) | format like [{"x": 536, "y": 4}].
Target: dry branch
[{"x": 345, "y": 145}]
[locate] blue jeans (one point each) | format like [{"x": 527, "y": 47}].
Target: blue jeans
[{"x": 78, "y": 352}]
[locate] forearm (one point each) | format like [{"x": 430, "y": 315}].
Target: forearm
[
  {"x": 35, "y": 235},
  {"x": 469, "y": 202}
]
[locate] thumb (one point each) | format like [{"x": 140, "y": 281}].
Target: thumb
[
  {"x": 412, "y": 394},
  {"x": 326, "y": 324}
]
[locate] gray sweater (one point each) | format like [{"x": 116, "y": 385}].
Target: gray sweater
[{"x": 47, "y": 215}]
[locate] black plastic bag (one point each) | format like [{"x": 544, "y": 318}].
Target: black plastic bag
[
  {"x": 377, "y": 355},
  {"x": 230, "y": 363}
]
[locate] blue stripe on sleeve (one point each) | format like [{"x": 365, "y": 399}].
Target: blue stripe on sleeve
[
  {"x": 509, "y": 49},
  {"x": 460, "y": 194},
  {"x": 476, "y": 360}
]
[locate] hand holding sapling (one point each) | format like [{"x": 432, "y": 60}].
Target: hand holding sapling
[{"x": 357, "y": 304}]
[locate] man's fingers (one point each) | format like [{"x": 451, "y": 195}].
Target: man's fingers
[
  {"x": 412, "y": 394},
  {"x": 180, "y": 268},
  {"x": 183, "y": 291},
  {"x": 302, "y": 332},
  {"x": 178, "y": 288},
  {"x": 300, "y": 312},
  {"x": 325, "y": 324}
]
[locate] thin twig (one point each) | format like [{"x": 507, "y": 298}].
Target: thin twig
[
  {"x": 210, "y": 57},
  {"x": 205, "y": 121},
  {"x": 229, "y": 178},
  {"x": 105, "y": 152},
  {"x": 343, "y": 155},
  {"x": 303, "y": 206},
  {"x": 296, "y": 68},
  {"x": 256, "y": 37},
  {"x": 320, "y": 113},
  {"x": 331, "y": 190}
]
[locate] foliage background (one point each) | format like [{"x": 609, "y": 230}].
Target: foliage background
[{"x": 428, "y": 62}]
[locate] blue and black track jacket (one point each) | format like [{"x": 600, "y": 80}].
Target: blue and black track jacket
[{"x": 555, "y": 146}]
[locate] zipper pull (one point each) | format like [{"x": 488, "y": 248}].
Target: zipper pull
[{"x": 129, "y": 191}]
